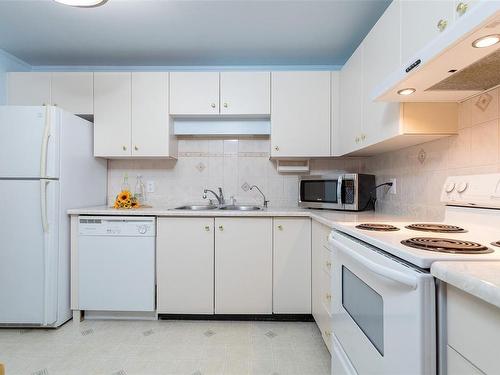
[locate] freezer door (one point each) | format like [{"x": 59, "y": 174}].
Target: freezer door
[
  {"x": 28, "y": 251},
  {"x": 29, "y": 146}
]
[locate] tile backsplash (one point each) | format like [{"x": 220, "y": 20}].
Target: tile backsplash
[
  {"x": 420, "y": 171},
  {"x": 213, "y": 162}
]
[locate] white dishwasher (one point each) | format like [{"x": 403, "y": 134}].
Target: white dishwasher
[{"x": 116, "y": 263}]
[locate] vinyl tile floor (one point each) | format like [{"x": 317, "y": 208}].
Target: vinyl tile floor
[{"x": 98, "y": 347}]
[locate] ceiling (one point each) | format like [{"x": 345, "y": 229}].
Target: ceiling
[{"x": 187, "y": 32}]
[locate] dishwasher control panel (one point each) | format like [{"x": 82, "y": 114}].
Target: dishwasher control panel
[{"x": 117, "y": 226}]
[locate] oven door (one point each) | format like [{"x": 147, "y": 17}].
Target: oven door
[
  {"x": 321, "y": 192},
  {"x": 383, "y": 310}
]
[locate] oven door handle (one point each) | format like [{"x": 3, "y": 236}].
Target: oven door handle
[{"x": 396, "y": 276}]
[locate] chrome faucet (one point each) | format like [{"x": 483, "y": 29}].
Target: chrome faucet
[
  {"x": 263, "y": 196},
  {"x": 219, "y": 197}
]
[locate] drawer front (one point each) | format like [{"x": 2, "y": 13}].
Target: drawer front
[
  {"x": 473, "y": 327},
  {"x": 458, "y": 365},
  {"x": 325, "y": 231}
]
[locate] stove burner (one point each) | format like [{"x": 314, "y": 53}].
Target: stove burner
[
  {"x": 377, "y": 227},
  {"x": 496, "y": 243},
  {"x": 446, "y": 245},
  {"x": 437, "y": 228}
]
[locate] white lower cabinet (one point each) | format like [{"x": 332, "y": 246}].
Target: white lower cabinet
[
  {"x": 185, "y": 265},
  {"x": 292, "y": 266},
  {"x": 243, "y": 265},
  {"x": 321, "y": 281},
  {"x": 473, "y": 338}
]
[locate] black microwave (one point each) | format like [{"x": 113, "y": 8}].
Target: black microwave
[{"x": 350, "y": 191}]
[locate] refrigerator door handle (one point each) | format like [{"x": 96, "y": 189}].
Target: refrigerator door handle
[
  {"x": 43, "y": 204},
  {"x": 45, "y": 144}
]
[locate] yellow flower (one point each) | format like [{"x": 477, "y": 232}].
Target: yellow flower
[
  {"x": 124, "y": 196},
  {"x": 134, "y": 204}
]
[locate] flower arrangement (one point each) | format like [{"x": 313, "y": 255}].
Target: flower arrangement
[{"x": 126, "y": 200}]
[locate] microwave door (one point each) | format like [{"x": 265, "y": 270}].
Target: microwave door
[{"x": 319, "y": 193}]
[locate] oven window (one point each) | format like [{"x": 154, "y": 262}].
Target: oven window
[
  {"x": 318, "y": 191},
  {"x": 365, "y": 306}
]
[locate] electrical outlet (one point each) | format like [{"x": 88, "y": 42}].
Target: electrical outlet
[
  {"x": 393, "y": 189},
  {"x": 150, "y": 186}
]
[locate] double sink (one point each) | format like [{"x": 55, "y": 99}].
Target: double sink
[{"x": 231, "y": 207}]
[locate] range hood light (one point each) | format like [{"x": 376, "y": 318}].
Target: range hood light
[
  {"x": 407, "y": 91},
  {"x": 82, "y": 3},
  {"x": 486, "y": 41}
]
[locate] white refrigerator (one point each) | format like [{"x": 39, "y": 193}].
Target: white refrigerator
[{"x": 46, "y": 167}]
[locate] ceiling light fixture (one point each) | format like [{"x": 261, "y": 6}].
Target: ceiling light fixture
[
  {"x": 82, "y": 3},
  {"x": 407, "y": 91},
  {"x": 486, "y": 41}
]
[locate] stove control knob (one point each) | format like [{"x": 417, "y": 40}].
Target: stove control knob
[
  {"x": 142, "y": 229},
  {"x": 450, "y": 187},
  {"x": 462, "y": 186}
]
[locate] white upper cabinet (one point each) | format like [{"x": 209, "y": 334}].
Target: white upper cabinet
[
  {"x": 351, "y": 103},
  {"x": 152, "y": 134},
  {"x": 27, "y": 88},
  {"x": 112, "y": 114},
  {"x": 73, "y": 92},
  {"x": 422, "y": 21},
  {"x": 300, "y": 120},
  {"x": 245, "y": 93},
  {"x": 194, "y": 93},
  {"x": 131, "y": 116},
  {"x": 381, "y": 56}
]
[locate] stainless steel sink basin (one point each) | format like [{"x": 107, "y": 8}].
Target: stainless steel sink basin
[
  {"x": 200, "y": 207},
  {"x": 241, "y": 208}
]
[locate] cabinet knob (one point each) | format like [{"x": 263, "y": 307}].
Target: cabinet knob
[
  {"x": 462, "y": 8},
  {"x": 276, "y": 148},
  {"x": 363, "y": 137},
  {"x": 327, "y": 333},
  {"x": 356, "y": 139},
  {"x": 328, "y": 296},
  {"x": 328, "y": 264},
  {"x": 221, "y": 228},
  {"x": 280, "y": 227},
  {"x": 212, "y": 105},
  {"x": 207, "y": 228},
  {"x": 136, "y": 148},
  {"x": 124, "y": 148},
  {"x": 226, "y": 105},
  {"x": 441, "y": 25}
]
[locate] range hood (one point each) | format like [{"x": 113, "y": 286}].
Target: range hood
[{"x": 450, "y": 69}]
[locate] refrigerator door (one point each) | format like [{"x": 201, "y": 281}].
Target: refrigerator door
[
  {"x": 29, "y": 146},
  {"x": 28, "y": 252}
]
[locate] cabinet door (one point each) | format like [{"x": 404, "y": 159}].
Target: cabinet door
[
  {"x": 151, "y": 129},
  {"x": 194, "y": 93},
  {"x": 243, "y": 266},
  {"x": 351, "y": 103},
  {"x": 74, "y": 92},
  {"x": 112, "y": 114},
  {"x": 419, "y": 23},
  {"x": 381, "y": 57},
  {"x": 27, "y": 88},
  {"x": 335, "y": 113},
  {"x": 185, "y": 265},
  {"x": 245, "y": 93},
  {"x": 300, "y": 121},
  {"x": 292, "y": 266}
]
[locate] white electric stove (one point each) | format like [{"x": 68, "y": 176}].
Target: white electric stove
[{"x": 384, "y": 305}]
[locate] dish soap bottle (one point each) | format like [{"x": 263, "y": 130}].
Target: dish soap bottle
[{"x": 140, "y": 190}]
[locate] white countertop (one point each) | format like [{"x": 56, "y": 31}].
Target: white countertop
[
  {"x": 325, "y": 217},
  {"x": 480, "y": 279}
]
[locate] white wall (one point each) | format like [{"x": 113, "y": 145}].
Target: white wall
[{"x": 9, "y": 63}]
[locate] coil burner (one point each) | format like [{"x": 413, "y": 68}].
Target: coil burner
[{"x": 446, "y": 245}]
